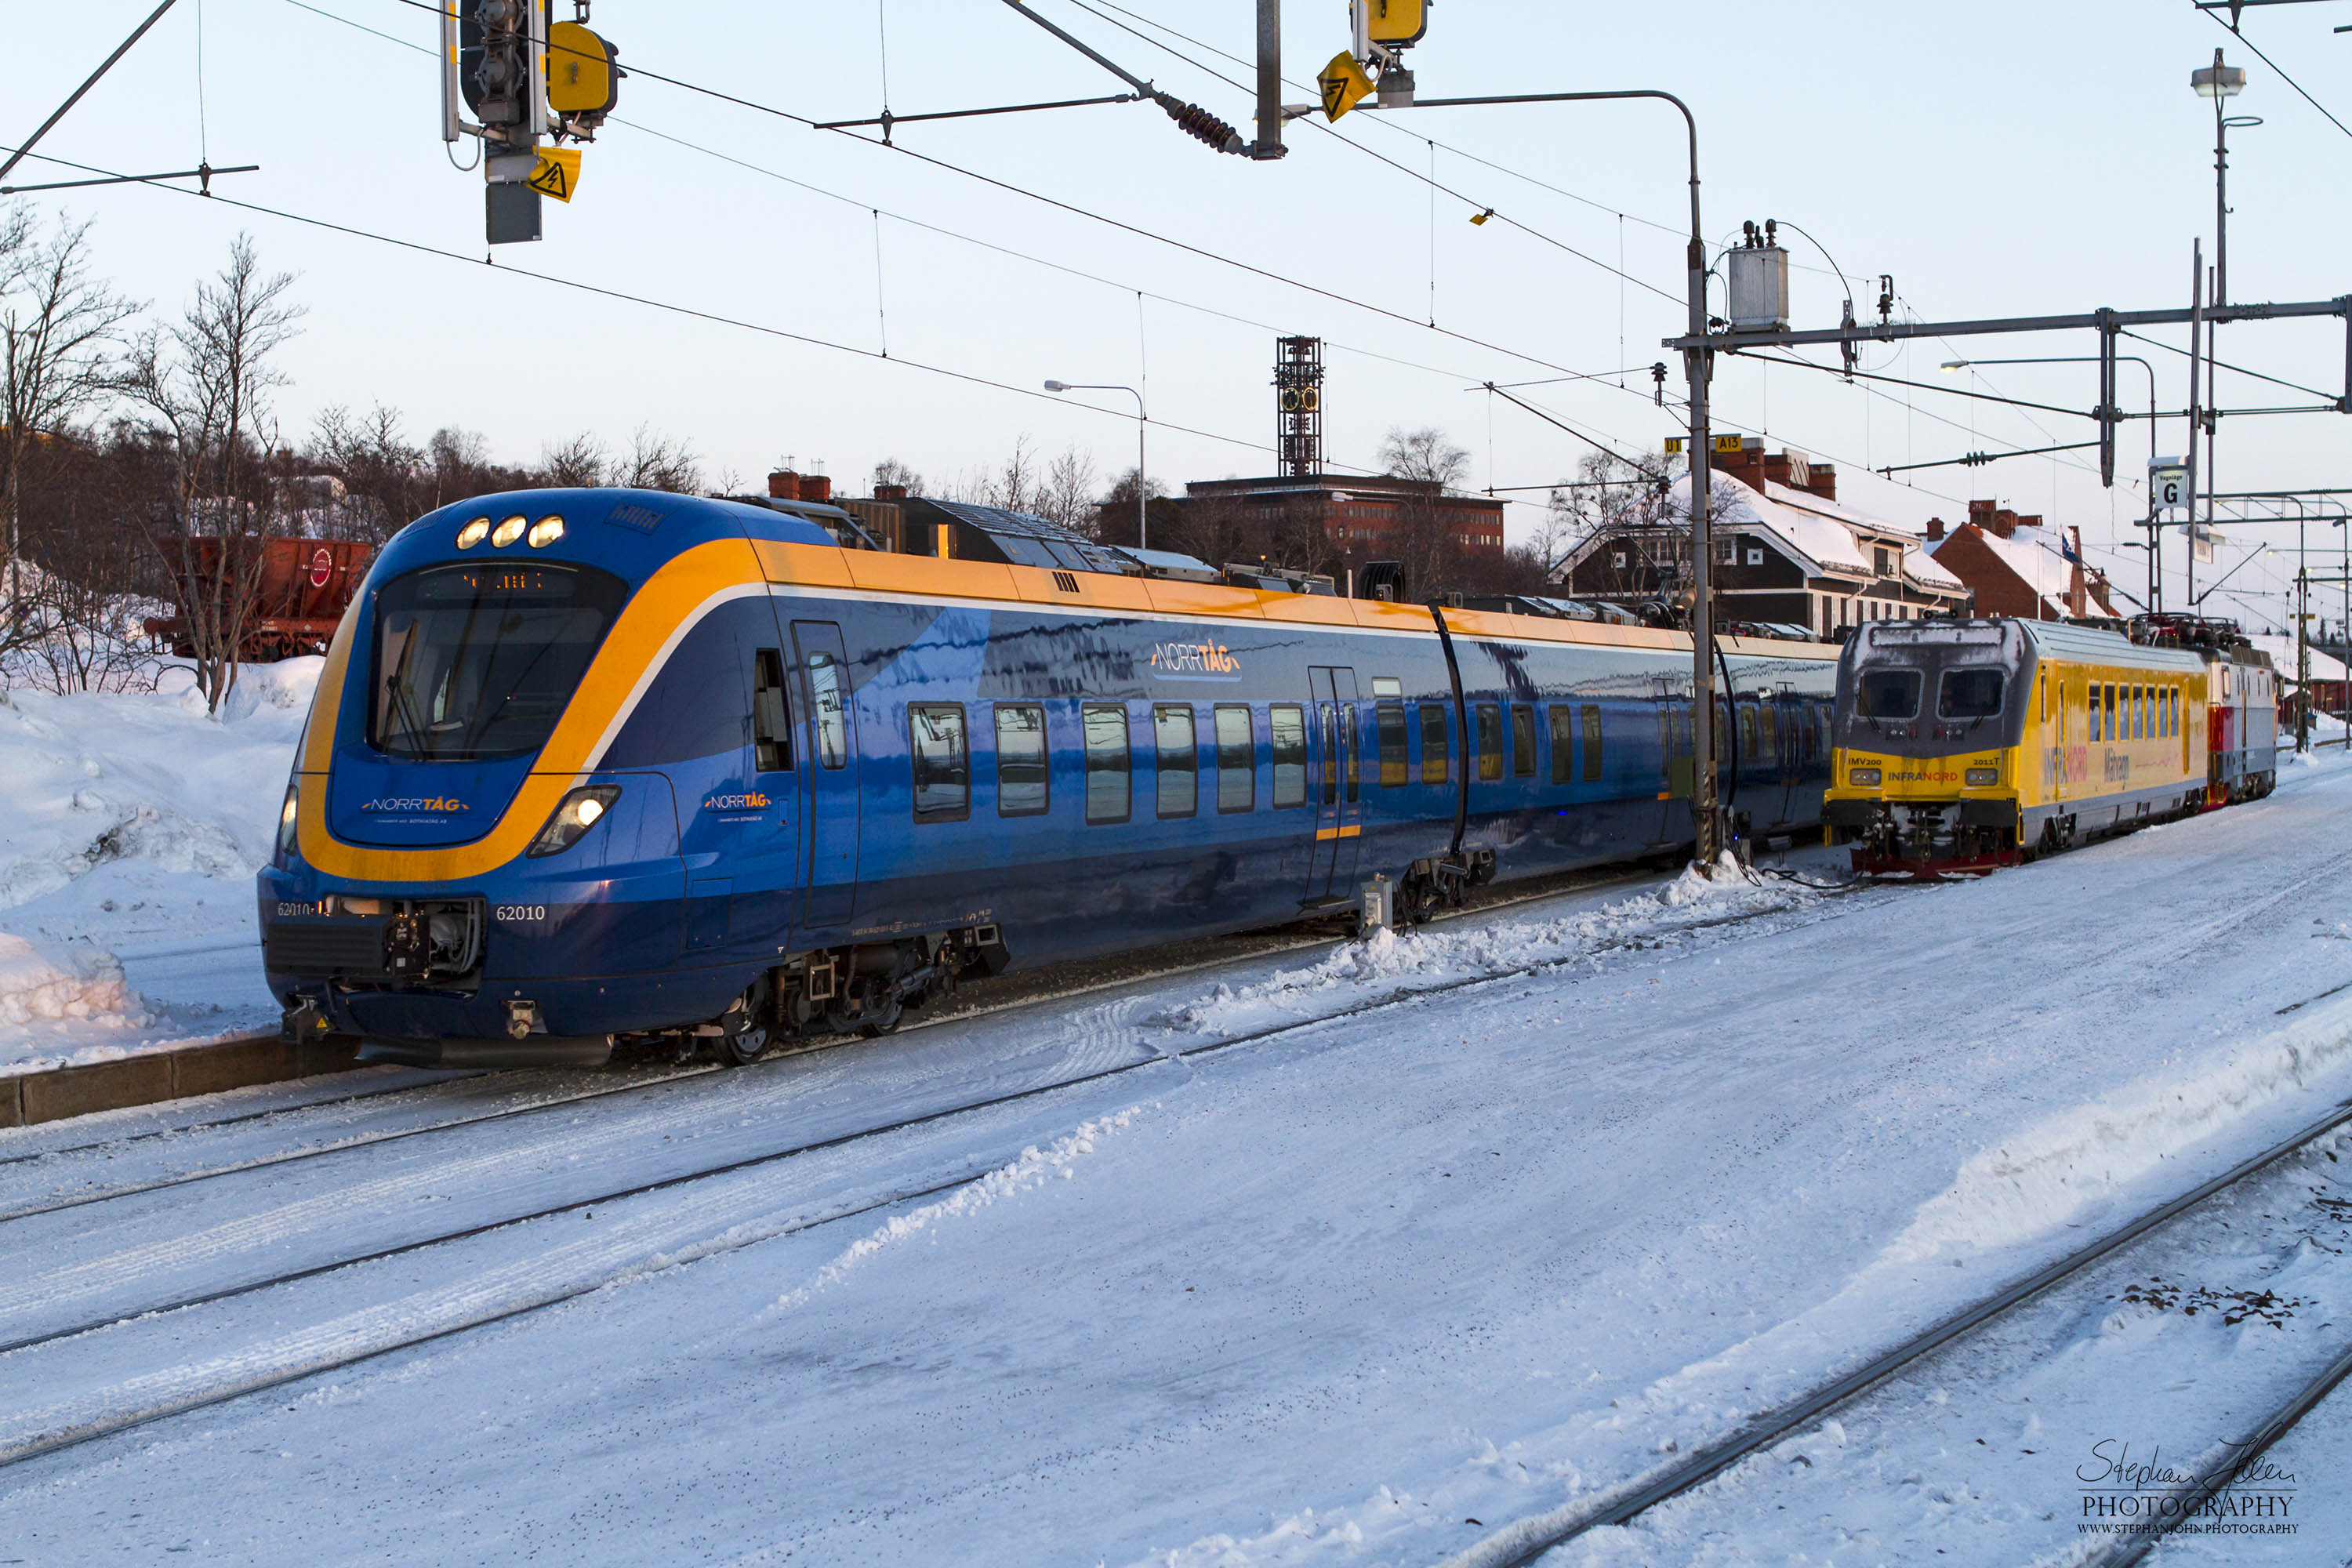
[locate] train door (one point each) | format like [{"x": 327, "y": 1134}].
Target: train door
[
  {"x": 829, "y": 742},
  {"x": 1335, "y": 782},
  {"x": 1783, "y": 716},
  {"x": 755, "y": 826},
  {"x": 1676, "y": 769}
]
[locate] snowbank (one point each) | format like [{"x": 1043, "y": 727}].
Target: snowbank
[
  {"x": 137, "y": 821},
  {"x": 1390, "y": 964},
  {"x": 42, "y": 983}
]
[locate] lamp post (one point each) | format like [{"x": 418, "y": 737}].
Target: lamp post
[
  {"x": 1143, "y": 539},
  {"x": 2221, "y": 83},
  {"x": 1698, "y": 364}
]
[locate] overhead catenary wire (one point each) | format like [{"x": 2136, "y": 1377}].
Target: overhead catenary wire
[
  {"x": 626, "y": 297},
  {"x": 913, "y": 222}
]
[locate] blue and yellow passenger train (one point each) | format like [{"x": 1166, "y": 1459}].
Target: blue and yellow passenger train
[{"x": 587, "y": 764}]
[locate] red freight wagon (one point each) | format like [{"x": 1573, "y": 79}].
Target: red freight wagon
[{"x": 304, "y": 587}]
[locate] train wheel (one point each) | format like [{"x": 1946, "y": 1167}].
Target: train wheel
[
  {"x": 883, "y": 1020},
  {"x": 744, "y": 1047}
]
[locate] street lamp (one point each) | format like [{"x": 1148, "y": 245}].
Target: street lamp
[
  {"x": 1141, "y": 418},
  {"x": 2221, "y": 83},
  {"x": 1698, "y": 364}
]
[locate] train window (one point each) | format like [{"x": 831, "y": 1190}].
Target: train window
[
  {"x": 1287, "y": 723},
  {"x": 1523, "y": 741},
  {"x": 1747, "y": 734},
  {"x": 942, "y": 765},
  {"x": 1110, "y": 792},
  {"x": 1236, "y": 760},
  {"x": 1436, "y": 746},
  {"x": 1768, "y": 728},
  {"x": 2114, "y": 715},
  {"x": 1970, "y": 694},
  {"x": 1387, "y": 686},
  {"x": 826, "y": 697},
  {"x": 480, "y": 661},
  {"x": 1023, "y": 781},
  {"x": 1563, "y": 742},
  {"x": 1388, "y": 718},
  {"x": 1592, "y": 743},
  {"x": 1348, "y": 758},
  {"x": 1178, "y": 759},
  {"x": 1490, "y": 741},
  {"x": 772, "y": 722},
  {"x": 1887, "y": 694}
]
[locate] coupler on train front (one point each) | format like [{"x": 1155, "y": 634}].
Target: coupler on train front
[{"x": 1930, "y": 839}]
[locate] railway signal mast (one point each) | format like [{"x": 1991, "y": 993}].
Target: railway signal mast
[{"x": 532, "y": 83}]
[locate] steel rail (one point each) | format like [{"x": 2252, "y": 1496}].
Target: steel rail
[
  {"x": 1517, "y": 1545},
  {"x": 2194, "y": 1496},
  {"x": 841, "y": 1140},
  {"x": 293, "y": 1156}
]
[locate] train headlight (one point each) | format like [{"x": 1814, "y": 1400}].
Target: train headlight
[
  {"x": 471, "y": 534},
  {"x": 1978, "y": 778},
  {"x": 545, "y": 532},
  {"x": 286, "y": 816},
  {"x": 1862, "y": 778},
  {"x": 509, "y": 530},
  {"x": 578, "y": 812}
]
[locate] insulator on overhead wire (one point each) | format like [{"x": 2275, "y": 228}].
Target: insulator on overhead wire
[{"x": 1195, "y": 121}]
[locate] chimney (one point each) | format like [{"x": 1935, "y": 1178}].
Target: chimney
[
  {"x": 889, "y": 492},
  {"x": 2033, "y": 520},
  {"x": 785, "y": 486},
  {"x": 1935, "y": 528},
  {"x": 816, "y": 487},
  {"x": 2004, "y": 522},
  {"x": 1821, "y": 481}
]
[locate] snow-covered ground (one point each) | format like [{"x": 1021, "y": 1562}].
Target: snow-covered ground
[
  {"x": 1601, "y": 1176},
  {"x": 135, "y": 825}
]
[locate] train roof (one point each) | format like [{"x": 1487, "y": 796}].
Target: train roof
[{"x": 2048, "y": 639}]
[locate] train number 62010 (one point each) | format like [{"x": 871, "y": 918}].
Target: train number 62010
[{"x": 520, "y": 912}]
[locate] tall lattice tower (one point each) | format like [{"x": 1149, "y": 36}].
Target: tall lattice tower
[{"x": 1299, "y": 406}]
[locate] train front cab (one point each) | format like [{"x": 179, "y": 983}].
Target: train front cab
[{"x": 546, "y": 793}]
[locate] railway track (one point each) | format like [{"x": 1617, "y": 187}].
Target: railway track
[
  {"x": 1054, "y": 986},
  {"x": 239, "y": 1378},
  {"x": 1525, "y": 1541}
]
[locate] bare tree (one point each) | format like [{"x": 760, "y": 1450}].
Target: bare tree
[
  {"x": 1068, "y": 493},
  {"x": 58, "y": 338},
  {"x": 1114, "y": 515},
  {"x": 204, "y": 386},
  {"x": 891, "y": 471},
  {"x": 1426, "y": 455},
  {"x": 385, "y": 482},
  {"x": 581, "y": 461},
  {"x": 658, "y": 463}
]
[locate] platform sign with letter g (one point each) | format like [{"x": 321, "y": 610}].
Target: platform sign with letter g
[{"x": 2167, "y": 484}]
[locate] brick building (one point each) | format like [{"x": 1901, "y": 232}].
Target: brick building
[
  {"x": 1364, "y": 519},
  {"x": 2018, "y": 566},
  {"x": 1787, "y": 553}
]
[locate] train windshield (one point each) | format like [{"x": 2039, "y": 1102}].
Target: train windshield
[
  {"x": 1968, "y": 694},
  {"x": 1887, "y": 694},
  {"x": 477, "y": 662}
]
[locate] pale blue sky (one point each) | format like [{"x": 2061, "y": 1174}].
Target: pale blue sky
[{"x": 1999, "y": 158}]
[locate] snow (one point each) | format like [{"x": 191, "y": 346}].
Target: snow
[
  {"x": 2038, "y": 558},
  {"x": 137, "y": 823},
  {"x": 1528, "y": 1205},
  {"x": 1918, "y": 564},
  {"x": 2324, "y": 666}
]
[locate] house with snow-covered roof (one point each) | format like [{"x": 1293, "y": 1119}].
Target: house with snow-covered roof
[
  {"x": 2019, "y": 566},
  {"x": 1787, "y": 553}
]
